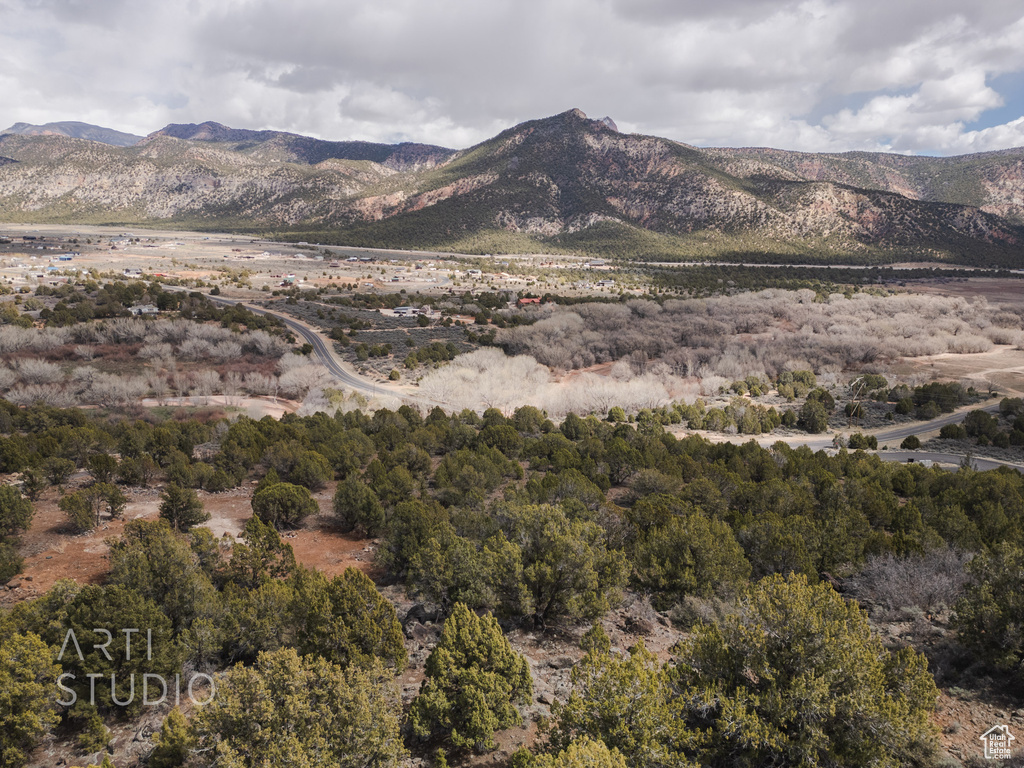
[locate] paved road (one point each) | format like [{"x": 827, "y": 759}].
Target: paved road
[
  {"x": 322, "y": 349},
  {"x": 955, "y": 460},
  {"x": 898, "y": 434}
]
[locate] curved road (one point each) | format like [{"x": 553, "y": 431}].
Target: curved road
[{"x": 322, "y": 348}]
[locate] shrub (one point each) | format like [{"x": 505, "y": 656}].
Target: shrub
[
  {"x": 10, "y": 562},
  {"x": 953, "y": 432},
  {"x": 863, "y": 442},
  {"x": 473, "y": 681},
  {"x": 796, "y": 677},
  {"x": 911, "y": 443},
  {"x": 929, "y": 582},
  {"x": 283, "y": 505},
  {"x": 302, "y": 711}
]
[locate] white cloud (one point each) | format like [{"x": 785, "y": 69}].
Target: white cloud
[{"x": 909, "y": 76}]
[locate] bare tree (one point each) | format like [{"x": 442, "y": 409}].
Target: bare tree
[
  {"x": 929, "y": 582},
  {"x": 49, "y": 394},
  {"x": 158, "y": 386},
  {"x": 32, "y": 370},
  {"x": 7, "y": 378},
  {"x": 232, "y": 387},
  {"x": 205, "y": 383},
  {"x": 299, "y": 380}
]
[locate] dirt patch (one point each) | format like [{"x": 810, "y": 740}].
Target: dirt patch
[
  {"x": 52, "y": 552},
  {"x": 962, "y": 722},
  {"x": 256, "y": 407},
  {"x": 1002, "y": 368}
]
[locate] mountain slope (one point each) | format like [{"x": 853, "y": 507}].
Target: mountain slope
[
  {"x": 172, "y": 181},
  {"x": 75, "y": 130},
  {"x": 559, "y": 183},
  {"x": 992, "y": 181}
]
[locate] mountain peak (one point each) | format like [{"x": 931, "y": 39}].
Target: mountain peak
[{"x": 208, "y": 131}]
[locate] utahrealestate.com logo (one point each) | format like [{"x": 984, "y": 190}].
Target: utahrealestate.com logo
[{"x": 998, "y": 741}]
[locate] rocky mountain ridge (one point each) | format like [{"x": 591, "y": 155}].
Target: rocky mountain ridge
[{"x": 565, "y": 182}]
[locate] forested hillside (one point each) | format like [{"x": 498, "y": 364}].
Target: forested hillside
[{"x": 496, "y": 523}]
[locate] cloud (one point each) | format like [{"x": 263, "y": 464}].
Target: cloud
[{"x": 912, "y": 76}]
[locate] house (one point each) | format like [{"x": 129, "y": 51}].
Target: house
[
  {"x": 527, "y": 302},
  {"x": 405, "y": 310},
  {"x": 144, "y": 309}
]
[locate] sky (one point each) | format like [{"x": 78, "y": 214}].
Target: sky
[{"x": 935, "y": 77}]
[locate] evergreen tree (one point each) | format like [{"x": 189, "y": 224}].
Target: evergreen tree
[
  {"x": 85, "y": 508},
  {"x": 173, "y": 742},
  {"x": 260, "y": 557},
  {"x": 158, "y": 563},
  {"x": 990, "y": 615},
  {"x": 27, "y": 703},
  {"x": 473, "y": 681},
  {"x": 346, "y": 620},
  {"x": 181, "y": 507},
  {"x": 627, "y": 703},
  {"x": 357, "y": 508},
  {"x": 283, "y": 505},
  {"x": 289, "y": 710},
  {"x": 15, "y": 512},
  {"x": 797, "y": 678},
  {"x": 689, "y": 555}
]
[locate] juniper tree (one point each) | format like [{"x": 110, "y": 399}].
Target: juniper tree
[{"x": 473, "y": 681}]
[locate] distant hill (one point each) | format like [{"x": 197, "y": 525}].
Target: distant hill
[
  {"x": 76, "y": 131},
  {"x": 560, "y": 184},
  {"x": 277, "y": 146}
]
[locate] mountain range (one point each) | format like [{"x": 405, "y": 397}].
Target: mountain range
[{"x": 560, "y": 184}]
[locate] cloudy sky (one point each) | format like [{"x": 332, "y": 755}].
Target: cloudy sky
[{"x": 922, "y": 76}]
